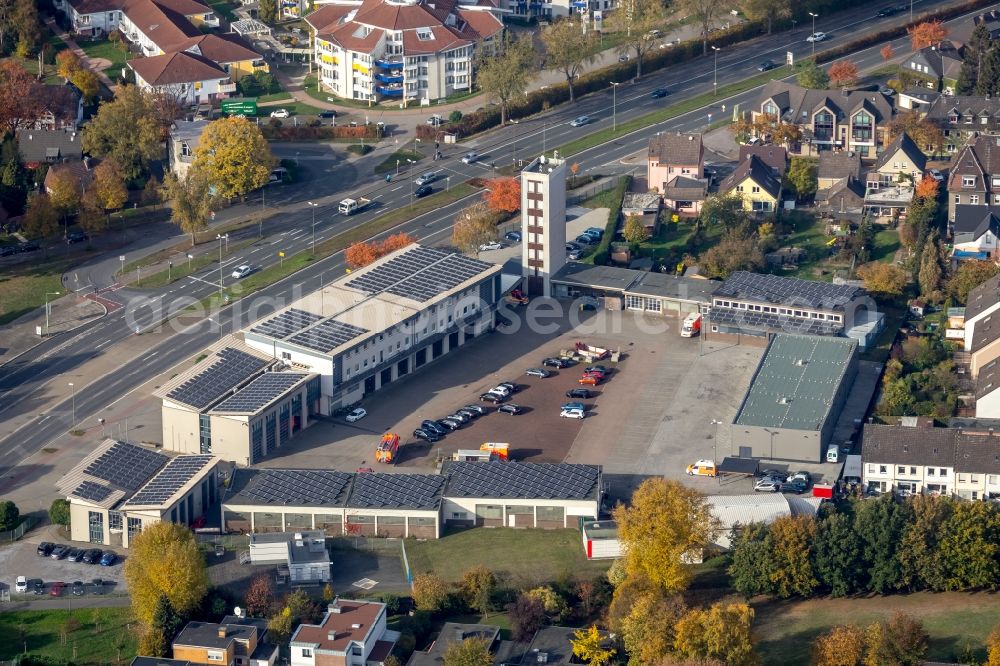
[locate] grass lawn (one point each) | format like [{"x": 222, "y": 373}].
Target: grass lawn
[
  {"x": 105, "y": 49},
  {"x": 23, "y": 288},
  {"x": 399, "y": 157},
  {"x": 184, "y": 268},
  {"x": 100, "y": 636},
  {"x": 785, "y": 630},
  {"x": 275, "y": 97},
  {"x": 526, "y": 557},
  {"x": 886, "y": 244},
  {"x": 225, "y": 8},
  {"x": 293, "y": 107}
]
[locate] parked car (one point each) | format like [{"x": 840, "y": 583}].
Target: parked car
[
  {"x": 510, "y": 386},
  {"x": 773, "y": 474},
  {"x": 754, "y": 141},
  {"x": 435, "y": 120},
  {"x": 658, "y": 93},
  {"x": 97, "y": 586},
  {"x": 434, "y": 427},
  {"x": 472, "y": 414},
  {"x": 512, "y": 236},
  {"x": 45, "y": 548},
  {"x": 461, "y": 418},
  {"x": 623, "y": 57},
  {"x": 558, "y": 362},
  {"x": 426, "y": 435},
  {"x": 76, "y": 237},
  {"x": 816, "y": 37},
  {"x": 596, "y": 368},
  {"x": 242, "y": 271},
  {"x": 425, "y": 179},
  {"x": 766, "y": 66},
  {"x": 92, "y": 556},
  {"x": 936, "y": 175},
  {"x": 570, "y": 246},
  {"x": 797, "y": 487},
  {"x": 887, "y": 91},
  {"x": 702, "y": 467},
  {"x": 580, "y": 121},
  {"x": 450, "y": 424},
  {"x": 804, "y": 477},
  {"x": 21, "y": 585},
  {"x": 574, "y": 405},
  {"x": 356, "y": 415},
  {"x": 57, "y": 588},
  {"x": 494, "y": 398},
  {"x": 767, "y": 486},
  {"x": 511, "y": 409},
  {"x": 280, "y": 113},
  {"x": 578, "y": 393},
  {"x": 574, "y": 255},
  {"x": 572, "y": 414},
  {"x": 423, "y": 191},
  {"x": 478, "y": 409},
  {"x": 541, "y": 373},
  {"x": 469, "y": 158},
  {"x": 109, "y": 559},
  {"x": 589, "y": 380},
  {"x": 74, "y": 555},
  {"x": 59, "y": 551},
  {"x": 494, "y": 245},
  {"x": 327, "y": 115},
  {"x": 594, "y": 231},
  {"x": 584, "y": 239},
  {"x": 77, "y": 588},
  {"x": 37, "y": 586},
  {"x": 29, "y": 246}
]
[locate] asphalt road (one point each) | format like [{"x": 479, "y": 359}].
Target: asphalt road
[{"x": 24, "y": 380}]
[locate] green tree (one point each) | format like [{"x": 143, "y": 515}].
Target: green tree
[
  {"x": 920, "y": 558},
  {"x": 931, "y": 268},
  {"x": 801, "y": 177},
  {"x": 40, "y": 218},
  {"x": 811, "y": 76},
  {"x": 591, "y": 647},
  {"x": 883, "y": 279},
  {"x": 166, "y": 621},
  {"x": 837, "y": 554},
  {"x": 768, "y": 11},
  {"x": 88, "y": 84},
  {"x": 478, "y": 586},
  {"x": 468, "y": 652},
  {"x": 736, "y": 251},
  {"x": 665, "y": 521},
  {"x": 552, "y": 603},
  {"x": 879, "y": 525},
  {"x": 190, "y": 200},
  {"x": 91, "y": 217},
  {"x": 64, "y": 191},
  {"x": 59, "y": 512},
  {"x": 125, "y": 129},
  {"x": 25, "y": 20},
  {"x": 568, "y": 49},
  {"x": 721, "y": 632},
  {"x": 791, "y": 571},
  {"x": 968, "y": 276},
  {"x": 109, "y": 185},
  {"x": 505, "y": 72},
  {"x": 10, "y": 515},
  {"x": 233, "y": 157},
  {"x": 279, "y": 626},
  {"x": 900, "y": 641},
  {"x": 164, "y": 559},
  {"x": 724, "y": 209},
  {"x": 970, "y": 545},
  {"x": 989, "y": 75},
  {"x": 634, "y": 231},
  {"x": 153, "y": 642},
  {"x": 430, "y": 592},
  {"x": 751, "y": 560},
  {"x": 267, "y": 11},
  {"x": 897, "y": 399},
  {"x": 972, "y": 61},
  {"x": 14, "y": 179},
  {"x": 705, "y": 13},
  {"x": 634, "y": 22}
]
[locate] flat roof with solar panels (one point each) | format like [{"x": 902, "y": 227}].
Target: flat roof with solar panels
[
  {"x": 261, "y": 393},
  {"x": 227, "y": 366},
  {"x": 370, "y": 300},
  {"x": 796, "y": 382}
]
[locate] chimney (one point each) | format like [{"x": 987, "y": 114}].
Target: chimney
[
  {"x": 459, "y": 635},
  {"x": 690, "y": 138},
  {"x": 223, "y": 630},
  {"x": 355, "y": 626},
  {"x": 331, "y": 636}
]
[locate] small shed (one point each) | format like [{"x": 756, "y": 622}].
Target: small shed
[
  {"x": 786, "y": 256},
  {"x": 600, "y": 540},
  {"x": 918, "y": 307}
]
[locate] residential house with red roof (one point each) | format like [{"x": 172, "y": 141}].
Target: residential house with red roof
[
  {"x": 411, "y": 50},
  {"x": 162, "y": 26},
  {"x": 352, "y": 633},
  {"x": 191, "y": 79}
]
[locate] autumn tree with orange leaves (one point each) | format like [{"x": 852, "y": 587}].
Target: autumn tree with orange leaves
[
  {"x": 503, "y": 195},
  {"x": 887, "y": 52},
  {"x": 928, "y": 33},
  {"x": 927, "y": 189},
  {"x": 361, "y": 253},
  {"x": 396, "y": 242},
  {"x": 843, "y": 73}
]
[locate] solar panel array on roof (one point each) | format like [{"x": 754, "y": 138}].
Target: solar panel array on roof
[
  {"x": 778, "y": 289},
  {"x": 411, "y": 491},
  {"x": 233, "y": 367},
  {"x": 259, "y": 392},
  {"x": 438, "y": 278},
  {"x": 287, "y": 323},
  {"x": 327, "y": 335},
  {"x": 126, "y": 466},
  {"x": 95, "y": 492},
  {"x": 397, "y": 269},
  {"x": 162, "y": 487},
  {"x": 297, "y": 487},
  {"x": 751, "y": 319},
  {"x": 523, "y": 480}
]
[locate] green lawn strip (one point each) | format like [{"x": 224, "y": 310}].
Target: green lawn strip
[
  {"x": 293, "y": 107},
  {"x": 183, "y": 246},
  {"x": 603, "y": 136},
  {"x": 523, "y": 557},
  {"x": 23, "y": 288},
  {"x": 274, "y": 97},
  {"x": 107, "y": 50},
  {"x": 785, "y": 631},
  {"x": 182, "y": 269},
  {"x": 225, "y": 8},
  {"x": 101, "y": 636},
  {"x": 398, "y": 159},
  {"x": 886, "y": 244}
]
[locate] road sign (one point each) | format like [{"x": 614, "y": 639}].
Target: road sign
[
  {"x": 281, "y": 254},
  {"x": 121, "y": 258},
  {"x": 242, "y": 106},
  {"x": 789, "y": 58}
]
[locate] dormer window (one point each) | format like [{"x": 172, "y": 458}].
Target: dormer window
[
  {"x": 952, "y": 117},
  {"x": 770, "y": 109},
  {"x": 982, "y": 121},
  {"x": 425, "y": 35},
  {"x": 968, "y": 181}
]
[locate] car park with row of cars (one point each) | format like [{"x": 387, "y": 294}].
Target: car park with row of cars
[
  {"x": 773, "y": 481},
  {"x": 78, "y": 588},
  {"x": 71, "y": 554},
  {"x": 21, "y": 248}
]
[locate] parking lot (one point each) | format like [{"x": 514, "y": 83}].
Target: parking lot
[{"x": 21, "y": 559}]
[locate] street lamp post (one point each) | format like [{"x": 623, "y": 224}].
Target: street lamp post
[
  {"x": 221, "y": 238},
  {"x": 514, "y": 157},
  {"x": 411, "y": 181},
  {"x": 614, "y": 105},
  {"x": 48, "y": 308},
  {"x": 911, "y": 10},
  {"x": 313, "y": 206},
  {"x": 715, "y": 72},
  {"x": 814, "y": 17},
  {"x": 397, "y": 167},
  {"x": 73, "y": 403}
]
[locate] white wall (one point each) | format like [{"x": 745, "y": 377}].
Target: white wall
[{"x": 988, "y": 406}]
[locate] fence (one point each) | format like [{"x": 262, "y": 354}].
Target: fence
[
  {"x": 18, "y": 532},
  {"x": 587, "y": 191}
]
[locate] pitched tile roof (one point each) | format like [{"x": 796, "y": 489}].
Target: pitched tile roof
[
  {"x": 354, "y": 621},
  {"x": 754, "y": 169},
  {"x": 988, "y": 379},
  {"x": 774, "y": 157},
  {"x": 48, "y": 145},
  {"x": 224, "y": 48},
  {"x": 846, "y": 195},
  {"x": 980, "y": 157},
  {"x": 938, "y": 447},
  {"x": 676, "y": 148},
  {"x": 986, "y": 331},
  {"x": 975, "y": 221},
  {"x": 944, "y": 61},
  {"x": 982, "y": 297},
  {"x": 523, "y": 480},
  {"x": 965, "y": 106},
  {"x": 904, "y": 143},
  {"x": 164, "y": 21},
  {"x": 326, "y": 16},
  {"x": 797, "y": 104},
  {"x": 838, "y": 164},
  {"x": 81, "y": 171},
  {"x": 171, "y": 68},
  {"x": 95, "y": 6},
  {"x": 681, "y": 188}
]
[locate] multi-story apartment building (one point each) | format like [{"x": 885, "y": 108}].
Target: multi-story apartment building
[
  {"x": 410, "y": 50},
  {"x": 543, "y": 222},
  {"x": 974, "y": 176},
  {"x": 963, "y": 117},
  {"x": 829, "y": 119}
]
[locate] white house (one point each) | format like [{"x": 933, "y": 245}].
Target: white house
[
  {"x": 352, "y": 633},
  {"x": 191, "y": 79},
  {"x": 92, "y": 17},
  {"x": 159, "y": 26}
]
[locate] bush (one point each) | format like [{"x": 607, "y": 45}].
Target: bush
[
  {"x": 360, "y": 148},
  {"x": 10, "y": 515},
  {"x": 454, "y": 116},
  {"x": 303, "y": 133}
]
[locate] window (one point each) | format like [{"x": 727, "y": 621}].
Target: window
[
  {"x": 770, "y": 109},
  {"x": 755, "y": 189},
  {"x": 215, "y": 655},
  {"x": 881, "y": 469},
  {"x": 900, "y": 470},
  {"x": 968, "y": 181},
  {"x": 307, "y": 652},
  {"x": 974, "y": 199},
  {"x": 930, "y": 471},
  {"x": 958, "y": 198},
  {"x": 913, "y": 471}
]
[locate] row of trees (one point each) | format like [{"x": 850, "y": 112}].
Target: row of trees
[
  {"x": 19, "y": 27},
  {"x": 363, "y": 253},
  {"x": 476, "y": 224},
  {"x": 880, "y": 546}
]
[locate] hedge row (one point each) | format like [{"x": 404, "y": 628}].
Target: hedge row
[
  {"x": 304, "y": 133},
  {"x": 611, "y": 228}
]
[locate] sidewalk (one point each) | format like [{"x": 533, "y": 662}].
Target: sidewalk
[{"x": 66, "y": 313}]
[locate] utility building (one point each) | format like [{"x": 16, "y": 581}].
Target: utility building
[{"x": 543, "y": 222}]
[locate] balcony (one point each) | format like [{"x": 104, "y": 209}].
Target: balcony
[
  {"x": 227, "y": 87},
  {"x": 388, "y": 64},
  {"x": 389, "y": 79},
  {"x": 389, "y": 91}
]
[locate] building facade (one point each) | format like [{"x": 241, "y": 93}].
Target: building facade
[
  {"x": 543, "y": 222},
  {"x": 671, "y": 155},
  {"x": 351, "y": 633}
]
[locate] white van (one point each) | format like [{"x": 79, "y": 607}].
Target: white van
[{"x": 832, "y": 453}]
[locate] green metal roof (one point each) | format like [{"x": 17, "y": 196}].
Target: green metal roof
[{"x": 796, "y": 382}]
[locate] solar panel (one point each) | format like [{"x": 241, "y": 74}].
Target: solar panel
[
  {"x": 161, "y": 488},
  {"x": 297, "y": 487},
  {"x": 126, "y": 466},
  {"x": 94, "y": 492},
  {"x": 751, "y": 319},
  {"x": 232, "y": 368},
  {"x": 778, "y": 289},
  {"x": 287, "y": 323},
  {"x": 440, "y": 277},
  {"x": 260, "y": 392},
  {"x": 522, "y": 480},
  {"x": 396, "y": 270},
  {"x": 410, "y": 491},
  {"x": 327, "y": 335}
]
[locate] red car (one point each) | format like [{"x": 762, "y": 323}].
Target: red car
[
  {"x": 588, "y": 380},
  {"x": 57, "y": 589}
]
